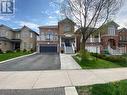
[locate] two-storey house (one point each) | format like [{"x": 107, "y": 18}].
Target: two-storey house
[
  {"x": 108, "y": 40},
  {"x": 13, "y": 39},
  {"x": 58, "y": 38}
]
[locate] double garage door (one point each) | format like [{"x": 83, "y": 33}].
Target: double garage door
[{"x": 48, "y": 48}]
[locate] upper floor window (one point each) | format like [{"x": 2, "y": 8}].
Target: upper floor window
[
  {"x": 17, "y": 36},
  {"x": 3, "y": 33},
  {"x": 49, "y": 35},
  {"x": 67, "y": 28},
  {"x": 123, "y": 38},
  {"x": 111, "y": 31},
  {"x": 31, "y": 35},
  {"x": 25, "y": 34}
]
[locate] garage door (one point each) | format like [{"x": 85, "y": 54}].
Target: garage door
[{"x": 48, "y": 49}]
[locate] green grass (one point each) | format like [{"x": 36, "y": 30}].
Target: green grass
[
  {"x": 95, "y": 63},
  {"x": 113, "y": 88},
  {"x": 7, "y": 56}
]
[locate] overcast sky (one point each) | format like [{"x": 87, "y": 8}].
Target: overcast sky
[{"x": 34, "y": 13}]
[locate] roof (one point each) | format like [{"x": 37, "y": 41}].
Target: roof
[
  {"x": 122, "y": 30},
  {"x": 51, "y": 26},
  {"x": 65, "y": 20},
  {"x": 6, "y": 27},
  {"x": 15, "y": 40},
  {"x": 19, "y": 29},
  {"x": 4, "y": 39},
  {"x": 112, "y": 23},
  {"x": 90, "y": 28}
]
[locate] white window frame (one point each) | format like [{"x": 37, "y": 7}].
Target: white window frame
[
  {"x": 17, "y": 36},
  {"x": 25, "y": 34},
  {"x": 111, "y": 31},
  {"x": 67, "y": 28},
  {"x": 49, "y": 36},
  {"x": 31, "y": 35},
  {"x": 31, "y": 45}
]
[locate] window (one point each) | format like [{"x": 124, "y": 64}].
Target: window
[
  {"x": 111, "y": 31},
  {"x": 67, "y": 28},
  {"x": 120, "y": 38},
  {"x": 6, "y": 33},
  {"x": 49, "y": 35},
  {"x": 55, "y": 37},
  {"x": 3, "y": 33},
  {"x": 31, "y": 45},
  {"x": 31, "y": 35},
  {"x": 17, "y": 36},
  {"x": 25, "y": 34},
  {"x": 25, "y": 45}
]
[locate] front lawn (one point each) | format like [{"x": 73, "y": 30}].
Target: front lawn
[
  {"x": 95, "y": 63},
  {"x": 10, "y": 55},
  {"x": 113, "y": 88}
]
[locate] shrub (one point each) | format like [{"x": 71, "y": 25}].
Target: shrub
[
  {"x": 116, "y": 59},
  {"x": 84, "y": 55},
  {"x": 18, "y": 50},
  {"x": 24, "y": 50},
  {"x": 9, "y": 51},
  {"x": 32, "y": 50},
  {"x": 1, "y": 52},
  {"x": 102, "y": 56},
  {"x": 125, "y": 54}
]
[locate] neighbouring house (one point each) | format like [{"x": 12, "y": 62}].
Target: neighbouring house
[
  {"x": 13, "y": 39},
  {"x": 58, "y": 38},
  {"x": 109, "y": 39}
]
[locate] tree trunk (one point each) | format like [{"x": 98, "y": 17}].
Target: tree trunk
[{"x": 83, "y": 43}]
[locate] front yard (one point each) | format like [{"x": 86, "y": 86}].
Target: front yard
[
  {"x": 100, "y": 61},
  {"x": 113, "y": 88},
  {"x": 9, "y": 55}
]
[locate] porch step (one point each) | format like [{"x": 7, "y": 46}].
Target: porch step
[{"x": 69, "y": 50}]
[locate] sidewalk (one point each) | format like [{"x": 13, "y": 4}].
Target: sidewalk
[
  {"x": 68, "y": 63},
  {"x": 59, "y": 78}
]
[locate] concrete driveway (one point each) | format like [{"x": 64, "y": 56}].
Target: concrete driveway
[{"x": 34, "y": 62}]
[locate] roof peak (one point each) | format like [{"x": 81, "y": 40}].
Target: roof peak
[{"x": 67, "y": 19}]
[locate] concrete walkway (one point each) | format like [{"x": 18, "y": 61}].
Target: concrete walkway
[
  {"x": 59, "y": 78},
  {"x": 68, "y": 63}
]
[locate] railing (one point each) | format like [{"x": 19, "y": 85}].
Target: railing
[
  {"x": 117, "y": 51},
  {"x": 73, "y": 47},
  {"x": 90, "y": 40},
  {"x": 64, "y": 48}
]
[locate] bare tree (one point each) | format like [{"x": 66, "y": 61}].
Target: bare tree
[{"x": 90, "y": 15}]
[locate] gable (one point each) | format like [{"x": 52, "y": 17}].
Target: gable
[{"x": 67, "y": 20}]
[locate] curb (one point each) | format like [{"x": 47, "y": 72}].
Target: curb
[
  {"x": 70, "y": 91},
  {"x": 18, "y": 57}
]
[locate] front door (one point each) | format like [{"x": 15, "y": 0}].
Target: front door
[
  {"x": 67, "y": 42},
  {"x": 17, "y": 46}
]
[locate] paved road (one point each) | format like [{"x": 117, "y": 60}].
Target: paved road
[
  {"x": 47, "y": 91},
  {"x": 34, "y": 62}
]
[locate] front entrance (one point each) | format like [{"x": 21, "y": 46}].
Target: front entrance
[
  {"x": 112, "y": 43},
  {"x": 67, "y": 42},
  {"x": 16, "y": 46}
]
